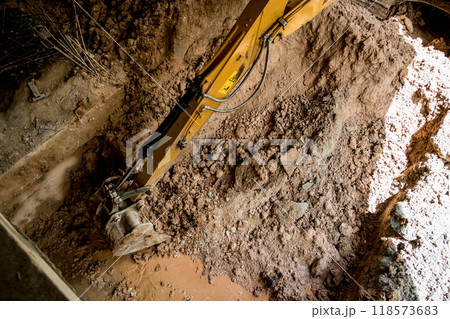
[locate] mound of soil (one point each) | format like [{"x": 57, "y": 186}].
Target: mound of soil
[{"x": 292, "y": 232}]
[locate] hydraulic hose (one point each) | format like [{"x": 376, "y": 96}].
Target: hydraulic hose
[
  {"x": 267, "y": 43},
  {"x": 242, "y": 82}
]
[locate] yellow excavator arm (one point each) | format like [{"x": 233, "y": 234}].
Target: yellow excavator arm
[{"x": 262, "y": 23}]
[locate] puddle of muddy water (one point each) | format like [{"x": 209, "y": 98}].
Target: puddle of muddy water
[{"x": 166, "y": 278}]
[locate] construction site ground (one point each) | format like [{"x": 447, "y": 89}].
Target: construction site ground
[{"x": 363, "y": 214}]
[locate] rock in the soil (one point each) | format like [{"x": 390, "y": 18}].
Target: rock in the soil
[
  {"x": 272, "y": 166},
  {"x": 290, "y": 165},
  {"x": 257, "y": 292},
  {"x": 345, "y": 229},
  {"x": 298, "y": 210},
  {"x": 409, "y": 25},
  {"x": 241, "y": 131},
  {"x": 319, "y": 267},
  {"x": 219, "y": 173},
  {"x": 278, "y": 129},
  {"x": 270, "y": 280},
  {"x": 385, "y": 262},
  {"x": 291, "y": 211},
  {"x": 285, "y": 238},
  {"x": 400, "y": 221},
  {"x": 250, "y": 176},
  {"x": 441, "y": 140},
  {"x": 242, "y": 225},
  {"x": 307, "y": 186},
  {"x": 353, "y": 143},
  {"x": 264, "y": 214}
]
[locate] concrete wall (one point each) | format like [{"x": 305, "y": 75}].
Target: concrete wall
[{"x": 25, "y": 273}]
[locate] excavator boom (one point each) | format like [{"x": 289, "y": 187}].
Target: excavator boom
[{"x": 262, "y": 23}]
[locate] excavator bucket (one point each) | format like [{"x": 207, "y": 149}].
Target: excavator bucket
[
  {"x": 127, "y": 228},
  {"x": 129, "y": 234}
]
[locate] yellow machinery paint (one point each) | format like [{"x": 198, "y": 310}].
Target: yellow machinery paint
[
  {"x": 277, "y": 18},
  {"x": 262, "y": 23}
]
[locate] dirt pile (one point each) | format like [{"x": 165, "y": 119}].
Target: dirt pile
[
  {"x": 235, "y": 218},
  {"x": 296, "y": 232}
]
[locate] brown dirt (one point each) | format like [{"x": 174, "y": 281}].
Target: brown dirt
[{"x": 233, "y": 217}]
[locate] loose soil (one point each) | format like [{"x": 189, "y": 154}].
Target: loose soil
[{"x": 363, "y": 98}]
